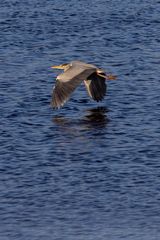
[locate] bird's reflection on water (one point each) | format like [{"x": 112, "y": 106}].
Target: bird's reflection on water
[{"x": 94, "y": 118}]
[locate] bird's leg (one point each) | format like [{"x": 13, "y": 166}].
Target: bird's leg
[
  {"x": 101, "y": 73},
  {"x": 106, "y": 76},
  {"x": 111, "y": 77},
  {"x": 103, "y": 76}
]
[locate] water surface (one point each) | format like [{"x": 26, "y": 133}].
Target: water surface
[{"x": 90, "y": 170}]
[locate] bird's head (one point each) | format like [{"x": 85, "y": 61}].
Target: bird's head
[{"x": 63, "y": 66}]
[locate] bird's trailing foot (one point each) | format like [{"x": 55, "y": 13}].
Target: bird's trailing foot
[{"x": 106, "y": 76}]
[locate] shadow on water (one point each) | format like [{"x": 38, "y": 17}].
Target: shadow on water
[{"x": 94, "y": 118}]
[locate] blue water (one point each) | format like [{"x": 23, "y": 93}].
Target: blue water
[{"x": 90, "y": 170}]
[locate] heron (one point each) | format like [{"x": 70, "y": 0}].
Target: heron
[{"x": 74, "y": 74}]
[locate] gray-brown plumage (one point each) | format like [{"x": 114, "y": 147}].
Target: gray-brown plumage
[{"x": 74, "y": 74}]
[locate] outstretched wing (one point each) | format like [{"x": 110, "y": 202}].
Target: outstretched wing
[
  {"x": 62, "y": 91},
  {"x": 96, "y": 86},
  {"x": 67, "y": 82}
]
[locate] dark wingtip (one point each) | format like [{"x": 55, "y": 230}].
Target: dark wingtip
[
  {"x": 56, "y": 103},
  {"x": 97, "y": 87}
]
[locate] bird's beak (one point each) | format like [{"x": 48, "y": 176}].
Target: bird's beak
[{"x": 58, "y": 67}]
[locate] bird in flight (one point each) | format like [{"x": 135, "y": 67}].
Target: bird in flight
[{"x": 74, "y": 74}]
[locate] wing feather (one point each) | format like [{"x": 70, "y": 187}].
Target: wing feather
[
  {"x": 96, "y": 86},
  {"x": 67, "y": 82}
]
